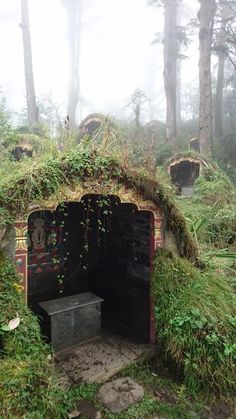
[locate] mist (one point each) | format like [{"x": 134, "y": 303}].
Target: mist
[{"x": 117, "y": 55}]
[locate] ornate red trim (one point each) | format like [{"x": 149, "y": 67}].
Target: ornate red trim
[{"x": 21, "y": 253}]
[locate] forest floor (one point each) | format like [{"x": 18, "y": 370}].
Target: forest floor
[{"x": 165, "y": 397}]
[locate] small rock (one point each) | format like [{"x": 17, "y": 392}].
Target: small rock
[
  {"x": 74, "y": 414},
  {"x": 119, "y": 394},
  {"x": 87, "y": 410}
]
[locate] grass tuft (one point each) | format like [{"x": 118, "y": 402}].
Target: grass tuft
[{"x": 196, "y": 323}]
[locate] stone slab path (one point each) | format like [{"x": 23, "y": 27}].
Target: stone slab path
[
  {"x": 119, "y": 394},
  {"x": 98, "y": 361}
]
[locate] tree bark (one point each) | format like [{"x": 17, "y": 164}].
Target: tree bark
[
  {"x": 221, "y": 42},
  {"x": 32, "y": 110},
  {"x": 178, "y": 69},
  {"x": 170, "y": 67},
  {"x": 206, "y": 20},
  {"x": 73, "y": 8},
  {"x": 219, "y": 95},
  {"x": 178, "y": 95}
]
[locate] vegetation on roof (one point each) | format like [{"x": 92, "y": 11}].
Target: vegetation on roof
[
  {"x": 188, "y": 154},
  {"x": 39, "y": 181}
]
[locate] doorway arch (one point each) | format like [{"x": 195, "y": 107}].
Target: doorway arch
[{"x": 139, "y": 215}]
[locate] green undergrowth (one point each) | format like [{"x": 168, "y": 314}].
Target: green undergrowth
[
  {"x": 213, "y": 185},
  {"x": 214, "y": 225},
  {"x": 200, "y": 342},
  {"x": 27, "y": 384},
  {"x": 29, "y": 184},
  {"x": 211, "y": 212},
  {"x": 196, "y": 323},
  {"x": 163, "y": 397}
]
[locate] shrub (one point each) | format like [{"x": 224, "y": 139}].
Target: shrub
[
  {"x": 196, "y": 323},
  {"x": 213, "y": 186}
]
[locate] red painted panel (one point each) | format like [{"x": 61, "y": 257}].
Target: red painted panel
[{"x": 21, "y": 253}]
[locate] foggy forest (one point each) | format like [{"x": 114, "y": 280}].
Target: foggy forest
[{"x": 117, "y": 209}]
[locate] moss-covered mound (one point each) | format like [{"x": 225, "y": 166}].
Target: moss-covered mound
[
  {"x": 210, "y": 212},
  {"x": 26, "y": 375},
  {"x": 191, "y": 154},
  {"x": 196, "y": 323},
  {"x": 28, "y": 145},
  {"x": 21, "y": 188},
  {"x": 213, "y": 183}
]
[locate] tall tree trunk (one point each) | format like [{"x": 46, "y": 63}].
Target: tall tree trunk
[
  {"x": 206, "y": 20},
  {"x": 32, "y": 110},
  {"x": 73, "y": 8},
  {"x": 170, "y": 58},
  {"x": 221, "y": 42},
  {"x": 219, "y": 95},
  {"x": 178, "y": 69},
  {"x": 150, "y": 81},
  {"x": 178, "y": 95}
]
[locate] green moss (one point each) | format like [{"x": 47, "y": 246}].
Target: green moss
[
  {"x": 23, "y": 186},
  {"x": 20, "y": 342},
  {"x": 27, "y": 384},
  {"x": 186, "y": 154},
  {"x": 196, "y": 323}
]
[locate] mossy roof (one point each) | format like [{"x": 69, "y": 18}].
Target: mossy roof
[
  {"x": 194, "y": 156},
  {"x": 99, "y": 117},
  {"x": 43, "y": 179},
  {"x": 210, "y": 171}
]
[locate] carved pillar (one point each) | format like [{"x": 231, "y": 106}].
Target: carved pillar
[
  {"x": 158, "y": 230},
  {"x": 21, "y": 253},
  {"x": 156, "y": 241}
]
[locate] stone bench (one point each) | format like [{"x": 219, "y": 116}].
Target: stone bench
[{"x": 73, "y": 320}]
